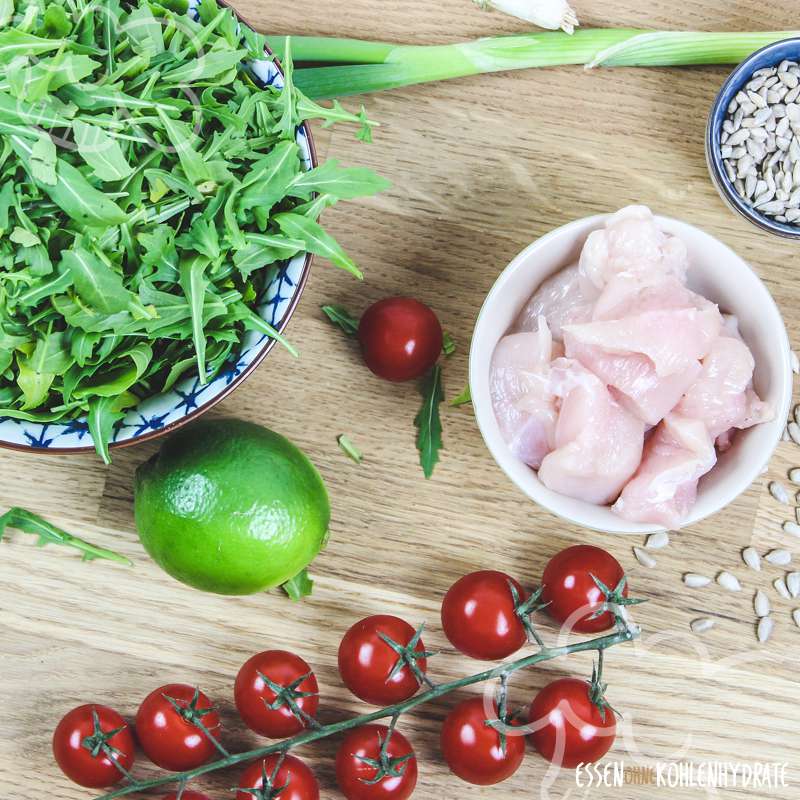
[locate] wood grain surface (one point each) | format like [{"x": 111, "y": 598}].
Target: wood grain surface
[{"x": 480, "y": 168}]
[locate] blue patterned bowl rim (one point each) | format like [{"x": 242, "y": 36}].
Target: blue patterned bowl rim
[{"x": 188, "y": 399}]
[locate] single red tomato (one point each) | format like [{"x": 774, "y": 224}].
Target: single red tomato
[
  {"x": 568, "y": 586},
  {"x": 473, "y": 750},
  {"x": 254, "y": 697},
  {"x": 479, "y": 615},
  {"x": 355, "y": 776},
  {"x": 188, "y": 794},
  {"x": 293, "y": 774},
  {"x": 568, "y": 728},
  {"x": 367, "y": 660},
  {"x": 400, "y": 338},
  {"x": 88, "y": 741},
  {"x": 172, "y": 737}
]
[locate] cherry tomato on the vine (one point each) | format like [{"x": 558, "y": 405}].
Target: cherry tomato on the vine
[
  {"x": 188, "y": 794},
  {"x": 473, "y": 750},
  {"x": 293, "y": 774},
  {"x": 254, "y": 696},
  {"x": 88, "y": 741},
  {"x": 568, "y": 728},
  {"x": 479, "y": 615},
  {"x": 172, "y": 737},
  {"x": 367, "y": 660},
  {"x": 355, "y": 776},
  {"x": 568, "y": 586},
  {"x": 400, "y": 338}
]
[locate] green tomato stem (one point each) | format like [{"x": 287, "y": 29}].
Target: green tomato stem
[{"x": 599, "y": 644}]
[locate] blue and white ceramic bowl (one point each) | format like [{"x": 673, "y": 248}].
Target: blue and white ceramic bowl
[
  {"x": 188, "y": 399},
  {"x": 769, "y": 56}
]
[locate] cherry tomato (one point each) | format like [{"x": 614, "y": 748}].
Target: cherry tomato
[
  {"x": 293, "y": 773},
  {"x": 77, "y": 742},
  {"x": 569, "y": 729},
  {"x": 479, "y": 616},
  {"x": 169, "y": 737},
  {"x": 473, "y": 750},
  {"x": 253, "y": 696},
  {"x": 354, "y": 775},
  {"x": 188, "y": 794},
  {"x": 568, "y": 586},
  {"x": 366, "y": 661},
  {"x": 400, "y": 338}
]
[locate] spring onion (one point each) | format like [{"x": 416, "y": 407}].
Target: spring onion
[
  {"x": 551, "y": 14},
  {"x": 356, "y": 67}
]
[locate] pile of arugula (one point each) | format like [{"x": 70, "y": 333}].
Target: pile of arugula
[{"x": 149, "y": 189}]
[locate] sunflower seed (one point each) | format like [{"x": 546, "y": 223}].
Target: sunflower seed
[
  {"x": 739, "y": 137},
  {"x": 761, "y": 604},
  {"x": 791, "y": 527},
  {"x": 644, "y": 558},
  {"x": 751, "y": 557},
  {"x": 796, "y": 617},
  {"x": 695, "y": 581},
  {"x": 794, "y": 474},
  {"x": 773, "y": 208},
  {"x": 779, "y": 491},
  {"x": 765, "y": 627},
  {"x": 795, "y": 363},
  {"x": 794, "y": 432},
  {"x": 781, "y": 588},
  {"x": 729, "y": 581},
  {"x": 702, "y": 624},
  {"x": 793, "y": 583},
  {"x": 792, "y": 96},
  {"x": 655, "y": 541},
  {"x": 778, "y": 558}
]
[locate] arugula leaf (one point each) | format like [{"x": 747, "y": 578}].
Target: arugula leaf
[
  {"x": 43, "y": 160},
  {"x": 96, "y": 283},
  {"x": 317, "y": 240},
  {"x": 183, "y": 140},
  {"x": 463, "y": 398},
  {"x": 298, "y": 587},
  {"x": 194, "y": 284},
  {"x": 209, "y": 65},
  {"x": 261, "y": 250},
  {"x": 102, "y": 417},
  {"x": 448, "y": 344},
  {"x": 428, "y": 421},
  {"x": 28, "y": 522},
  {"x": 101, "y": 152},
  {"x": 343, "y": 183},
  {"x": 349, "y": 449},
  {"x": 270, "y": 177},
  {"x": 202, "y": 237},
  {"x": 338, "y": 315}
]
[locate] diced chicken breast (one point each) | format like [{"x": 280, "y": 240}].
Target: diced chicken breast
[
  {"x": 722, "y": 397},
  {"x": 630, "y": 243},
  {"x": 559, "y": 300},
  {"x": 598, "y": 443},
  {"x": 520, "y": 387},
  {"x": 663, "y": 491},
  {"x": 672, "y": 339}
]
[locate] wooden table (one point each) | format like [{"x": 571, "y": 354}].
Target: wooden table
[{"x": 480, "y": 168}]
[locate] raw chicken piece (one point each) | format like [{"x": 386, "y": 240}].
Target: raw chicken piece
[
  {"x": 630, "y": 243},
  {"x": 663, "y": 491},
  {"x": 673, "y": 339},
  {"x": 723, "y": 396},
  {"x": 559, "y": 300},
  {"x": 598, "y": 443},
  {"x": 521, "y": 397}
]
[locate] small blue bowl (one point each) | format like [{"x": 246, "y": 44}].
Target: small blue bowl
[{"x": 769, "y": 56}]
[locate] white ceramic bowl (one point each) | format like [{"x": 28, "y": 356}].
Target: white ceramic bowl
[{"x": 717, "y": 273}]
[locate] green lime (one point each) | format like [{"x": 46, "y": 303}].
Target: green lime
[{"x": 230, "y": 507}]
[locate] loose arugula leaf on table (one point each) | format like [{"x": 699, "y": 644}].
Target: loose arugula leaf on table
[
  {"x": 339, "y": 315},
  {"x": 150, "y": 189},
  {"x": 27, "y": 521},
  {"x": 428, "y": 421},
  {"x": 298, "y": 587},
  {"x": 349, "y": 449}
]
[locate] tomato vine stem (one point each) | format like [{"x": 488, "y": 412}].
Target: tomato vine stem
[{"x": 598, "y": 644}]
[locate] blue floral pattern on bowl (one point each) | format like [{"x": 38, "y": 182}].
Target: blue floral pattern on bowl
[{"x": 188, "y": 398}]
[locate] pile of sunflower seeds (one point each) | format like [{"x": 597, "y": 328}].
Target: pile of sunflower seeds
[{"x": 760, "y": 142}]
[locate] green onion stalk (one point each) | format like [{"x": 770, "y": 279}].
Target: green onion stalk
[{"x": 351, "y": 66}]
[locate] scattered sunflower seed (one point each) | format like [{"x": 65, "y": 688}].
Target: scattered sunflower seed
[
  {"x": 792, "y": 527},
  {"x": 796, "y": 617},
  {"x": 644, "y": 558},
  {"x": 695, "y": 581},
  {"x": 761, "y": 604},
  {"x": 729, "y": 581},
  {"x": 795, "y": 363},
  {"x": 778, "y": 558},
  {"x": 794, "y": 475},
  {"x": 702, "y": 624},
  {"x": 781, "y": 588},
  {"x": 751, "y": 557},
  {"x": 765, "y": 628},
  {"x": 794, "y": 431},
  {"x": 779, "y": 492},
  {"x": 793, "y": 584},
  {"x": 655, "y": 541}
]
